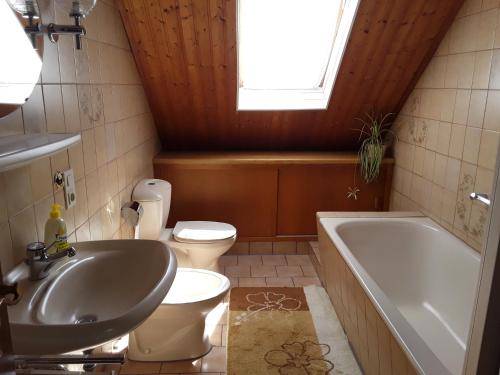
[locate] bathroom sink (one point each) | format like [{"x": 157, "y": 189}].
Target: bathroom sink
[{"x": 106, "y": 290}]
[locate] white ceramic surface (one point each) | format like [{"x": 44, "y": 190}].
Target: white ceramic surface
[
  {"x": 107, "y": 289},
  {"x": 203, "y": 255},
  {"x": 202, "y": 231},
  {"x": 177, "y": 329},
  {"x": 421, "y": 279},
  {"x": 201, "y": 243},
  {"x": 17, "y": 150}
]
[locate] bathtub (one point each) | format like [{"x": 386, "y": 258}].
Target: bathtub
[{"x": 419, "y": 278}]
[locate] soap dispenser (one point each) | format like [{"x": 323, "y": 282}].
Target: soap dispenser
[{"x": 56, "y": 237}]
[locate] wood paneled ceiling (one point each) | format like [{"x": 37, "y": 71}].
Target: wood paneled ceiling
[{"x": 186, "y": 54}]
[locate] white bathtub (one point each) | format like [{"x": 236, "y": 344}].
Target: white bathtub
[{"x": 420, "y": 278}]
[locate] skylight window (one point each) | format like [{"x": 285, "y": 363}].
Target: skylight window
[{"x": 289, "y": 51}]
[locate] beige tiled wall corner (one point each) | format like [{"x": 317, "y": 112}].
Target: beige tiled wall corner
[
  {"x": 449, "y": 129},
  {"x": 95, "y": 92}
]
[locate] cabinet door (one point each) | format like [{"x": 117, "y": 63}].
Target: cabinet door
[
  {"x": 243, "y": 196},
  {"x": 307, "y": 189}
]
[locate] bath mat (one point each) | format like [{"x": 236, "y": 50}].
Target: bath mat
[{"x": 286, "y": 331}]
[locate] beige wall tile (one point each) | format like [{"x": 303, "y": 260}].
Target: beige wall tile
[
  {"x": 6, "y": 255},
  {"x": 495, "y": 71},
  {"x": 89, "y": 151},
  {"x": 22, "y": 231},
  {"x": 492, "y": 115},
  {"x": 73, "y": 95},
  {"x": 17, "y": 186},
  {"x": 54, "y": 108},
  {"x": 471, "y": 145},
  {"x": 34, "y": 113},
  {"x": 461, "y": 111},
  {"x": 443, "y": 142},
  {"x": 468, "y": 134},
  {"x": 477, "y": 108},
  {"x": 488, "y": 149},
  {"x": 482, "y": 68},
  {"x": 40, "y": 178}
]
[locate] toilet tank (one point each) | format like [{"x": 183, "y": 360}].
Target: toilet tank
[{"x": 154, "y": 196}]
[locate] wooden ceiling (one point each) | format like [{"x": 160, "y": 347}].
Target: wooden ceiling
[{"x": 186, "y": 54}]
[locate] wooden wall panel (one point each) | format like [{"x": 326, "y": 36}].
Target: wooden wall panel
[
  {"x": 267, "y": 195},
  {"x": 243, "y": 196},
  {"x": 305, "y": 190},
  {"x": 186, "y": 53}
]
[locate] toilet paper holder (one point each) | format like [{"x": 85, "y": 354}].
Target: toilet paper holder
[{"x": 132, "y": 212}]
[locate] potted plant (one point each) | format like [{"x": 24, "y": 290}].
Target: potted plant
[{"x": 376, "y": 137}]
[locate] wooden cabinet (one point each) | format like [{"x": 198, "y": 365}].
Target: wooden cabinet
[
  {"x": 307, "y": 189},
  {"x": 266, "y": 195}
]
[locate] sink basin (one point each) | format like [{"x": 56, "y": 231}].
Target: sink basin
[{"x": 106, "y": 290}]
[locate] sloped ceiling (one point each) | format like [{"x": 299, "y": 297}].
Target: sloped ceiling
[{"x": 186, "y": 53}]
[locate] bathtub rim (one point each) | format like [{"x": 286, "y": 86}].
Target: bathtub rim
[{"x": 420, "y": 355}]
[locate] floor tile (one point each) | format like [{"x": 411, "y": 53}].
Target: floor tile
[
  {"x": 303, "y": 247},
  {"x": 263, "y": 271},
  {"x": 279, "y": 282},
  {"x": 228, "y": 260},
  {"x": 289, "y": 271},
  {"x": 185, "y": 367},
  {"x": 133, "y": 367},
  {"x": 298, "y": 260},
  {"x": 237, "y": 271},
  {"x": 252, "y": 281},
  {"x": 309, "y": 271},
  {"x": 215, "y": 360},
  {"x": 274, "y": 260},
  {"x": 261, "y": 247},
  {"x": 304, "y": 281},
  {"x": 239, "y": 248},
  {"x": 249, "y": 260},
  {"x": 233, "y": 281}
]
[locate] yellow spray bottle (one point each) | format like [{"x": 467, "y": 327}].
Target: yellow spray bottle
[{"x": 56, "y": 237}]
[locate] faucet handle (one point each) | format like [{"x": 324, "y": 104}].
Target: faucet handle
[{"x": 35, "y": 249}]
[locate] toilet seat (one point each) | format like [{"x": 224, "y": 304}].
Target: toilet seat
[
  {"x": 202, "y": 231},
  {"x": 192, "y": 285}
]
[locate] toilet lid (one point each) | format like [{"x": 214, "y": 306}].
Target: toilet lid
[
  {"x": 195, "y": 285},
  {"x": 202, "y": 231}
]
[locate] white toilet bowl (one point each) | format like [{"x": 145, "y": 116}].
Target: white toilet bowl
[
  {"x": 199, "y": 244},
  {"x": 177, "y": 329}
]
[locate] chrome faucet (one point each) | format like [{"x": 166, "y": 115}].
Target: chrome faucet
[{"x": 39, "y": 260}]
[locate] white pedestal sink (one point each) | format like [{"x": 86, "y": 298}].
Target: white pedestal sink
[{"x": 106, "y": 290}]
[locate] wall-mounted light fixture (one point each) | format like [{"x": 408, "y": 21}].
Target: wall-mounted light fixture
[{"x": 77, "y": 9}]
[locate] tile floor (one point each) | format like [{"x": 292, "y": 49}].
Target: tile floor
[{"x": 242, "y": 270}]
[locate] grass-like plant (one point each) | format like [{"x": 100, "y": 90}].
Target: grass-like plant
[{"x": 371, "y": 152}]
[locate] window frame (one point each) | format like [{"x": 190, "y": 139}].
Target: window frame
[{"x": 299, "y": 99}]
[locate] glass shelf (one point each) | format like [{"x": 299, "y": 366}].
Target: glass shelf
[{"x": 18, "y": 150}]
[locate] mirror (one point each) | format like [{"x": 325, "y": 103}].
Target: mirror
[{"x": 20, "y": 64}]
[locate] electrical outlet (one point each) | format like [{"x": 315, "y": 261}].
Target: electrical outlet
[{"x": 69, "y": 189}]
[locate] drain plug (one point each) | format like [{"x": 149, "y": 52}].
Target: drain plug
[{"x": 89, "y": 318}]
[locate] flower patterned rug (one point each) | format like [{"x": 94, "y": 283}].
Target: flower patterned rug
[{"x": 286, "y": 331}]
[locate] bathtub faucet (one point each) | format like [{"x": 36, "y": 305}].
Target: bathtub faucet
[{"x": 483, "y": 198}]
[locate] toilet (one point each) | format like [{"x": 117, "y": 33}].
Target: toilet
[
  {"x": 177, "y": 329},
  {"x": 197, "y": 244}
]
